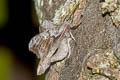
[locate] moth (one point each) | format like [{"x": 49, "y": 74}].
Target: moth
[{"x": 51, "y": 45}]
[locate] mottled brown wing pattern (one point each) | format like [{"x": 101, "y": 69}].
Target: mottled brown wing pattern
[
  {"x": 44, "y": 46},
  {"x": 40, "y": 44},
  {"x": 34, "y": 42}
]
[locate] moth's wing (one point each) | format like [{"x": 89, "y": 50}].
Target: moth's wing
[
  {"x": 39, "y": 44},
  {"x": 34, "y": 42},
  {"x": 43, "y": 66},
  {"x": 62, "y": 51},
  {"x": 45, "y": 62},
  {"x": 45, "y": 45}
]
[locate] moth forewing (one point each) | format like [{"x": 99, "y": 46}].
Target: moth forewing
[
  {"x": 39, "y": 44},
  {"x": 46, "y": 61},
  {"x": 43, "y": 66},
  {"x": 45, "y": 46},
  {"x": 33, "y": 44}
]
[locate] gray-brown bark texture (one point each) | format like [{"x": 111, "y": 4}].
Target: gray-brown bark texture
[{"x": 96, "y": 33}]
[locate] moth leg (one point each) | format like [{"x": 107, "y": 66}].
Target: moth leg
[
  {"x": 72, "y": 36},
  {"x": 69, "y": 48},
  {"x": 62, "y": 51},
  {"x": 62, "y": 34}
]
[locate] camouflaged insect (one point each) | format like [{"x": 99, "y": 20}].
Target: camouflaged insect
[{"x": 51, "y": 45}]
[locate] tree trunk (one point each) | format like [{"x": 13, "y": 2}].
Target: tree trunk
[{"x": 96, "y": 33}]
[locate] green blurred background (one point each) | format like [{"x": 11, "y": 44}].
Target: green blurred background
[{"x": 18, "y": 24}]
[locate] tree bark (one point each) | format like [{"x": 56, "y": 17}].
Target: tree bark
[{"x": 96, "y": 32}]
